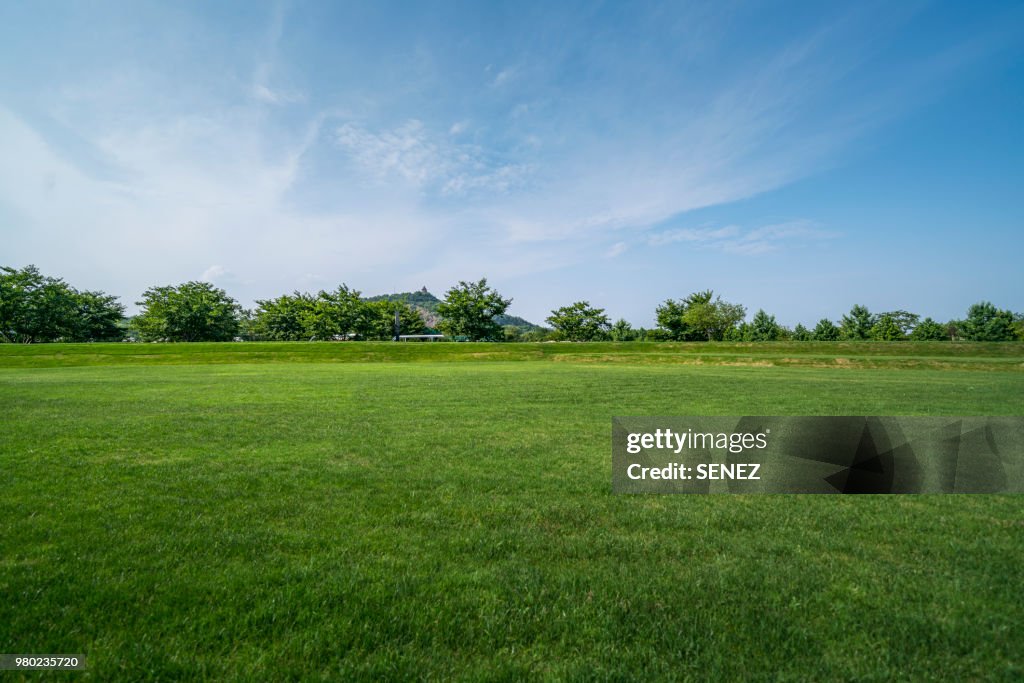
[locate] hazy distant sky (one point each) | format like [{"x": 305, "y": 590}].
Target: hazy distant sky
[{"x": 799, "y": 157}]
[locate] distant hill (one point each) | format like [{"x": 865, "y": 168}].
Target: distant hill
[
  {"x": 423, "y": 301},
  {"x": 516, "y": 321},
  {"x": 426, "y": 303}
]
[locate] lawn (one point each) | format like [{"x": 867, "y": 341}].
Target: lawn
[{"x": 443, "y": 511}]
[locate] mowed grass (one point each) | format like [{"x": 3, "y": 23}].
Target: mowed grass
[
  {"x": 900, "y": 355},
  {"x": 450, "y": 517}
]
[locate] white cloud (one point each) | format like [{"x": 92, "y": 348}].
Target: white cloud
[
  {"x": 616, "y": 249},
  {"x": 734, "y": 239},
  {"x": 199, "y": 170},
  {"x": 215, "y": 273},
  {"x": 190, "y": 191},
  {"x": 523, "y": 109},
  {"x": 413, "y": 154},
  {"x": 405, "y": 151},
  {"x": 262, "y": 90},
  {"x": 264, "y": 94},
  {"x": 504, "y": 76},
  {"x": 705, "y": 235}
]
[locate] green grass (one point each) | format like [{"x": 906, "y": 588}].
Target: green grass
[
  {"x": 226, "y": 512},
  {"x": 937, "y": 355}
]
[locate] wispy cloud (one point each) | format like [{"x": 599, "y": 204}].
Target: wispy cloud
[
  {"x": 504, "y": 76},
  {"x": 216, "y": 273},
  {"x": 262, "y": 90},
  {"x": 617, "y": 249},
  {"x": 263, "y": 93},
  {"x": 700, "y": 235},
  {"x": 405, "y": 151},
  {"x": 427, "y": 161},
  {"x": 735, "y": 239},
  {"x": 190, "y": 191},
  {"x": 322, "y": 146}
]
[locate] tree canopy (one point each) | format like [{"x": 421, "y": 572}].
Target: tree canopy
[
  {"x": 886, "y": 329},
  {"x": 699, "y": 317},
  {"x": 340, "y": 312},
  {"x": 329, "y": 315},
  {"x": 193, "y": 311},
  {"x": 826, "y": 330},
  {"x": 38, "y": 308},
  {"x": 857, "y": 324},
  {"x": 985, "y": 322},
  {"x": 763, "y": 327},
  {"x": 580, "y": 322},
  {"x": 801, "y": 333},
  {"x": 380, "y": 319},
  {"x": 929, "y": 330},
  {"x": 283, "y": 318},
  {"x": 622, "y": 331},
  {"x": 469, "y": 309}
]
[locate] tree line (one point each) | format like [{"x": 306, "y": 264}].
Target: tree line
[
  {"x": 38, "y": 308},
  {"x": 702, "y": 316}
]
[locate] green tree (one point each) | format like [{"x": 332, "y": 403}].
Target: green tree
[
  {"x": 710, "y": 319},
  {"x": 98, "y": 317},
  {"x": 826, "y": 330},
  {"x": 380, "y": 319},
  {"x": 622, "y": 331},
  {"x": 886, "y": 329},
  {"x": 537, "y": 334},
  {"x": 763, "y": 327},
  {"x": 653, "y": 335},
  {"x": 857, "y": 324},
  {"x": 469, "y": 310},
  {"x": 341, "y": 313},
  {"x": 193, "y": 311},
  {"x": 33, "y": 307},
  {"x": 929, "y": 330},
  {"x": 17, "y": 289},
  {"x": 579, "y": 322},
  {"x": 38, "y": 308},
  {"x": 670, "y": 316},
  {"x": 246, "y": 324},
  {"x": 985, "y": 322},
  {"x": 51, "y": 312},
  {"x": 801, "y": 333},
  {"x": 737, "y": 333},
  {"x": 904, "y": 320},
  {"x": 700, "y": 316},
  {"x": 283, "y": 318}
]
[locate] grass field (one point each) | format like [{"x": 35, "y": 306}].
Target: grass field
[{"x": 277, "y": 512}]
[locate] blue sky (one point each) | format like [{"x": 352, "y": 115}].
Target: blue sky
[{"x": 796, "y": 157}]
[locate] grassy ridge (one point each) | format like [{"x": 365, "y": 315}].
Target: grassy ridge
[
  {"x": 936, "y": 355},
  {"x": 452, "y": 519}
]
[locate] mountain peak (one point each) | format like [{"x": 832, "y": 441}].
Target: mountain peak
[{"x": 426, "y": 303}]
